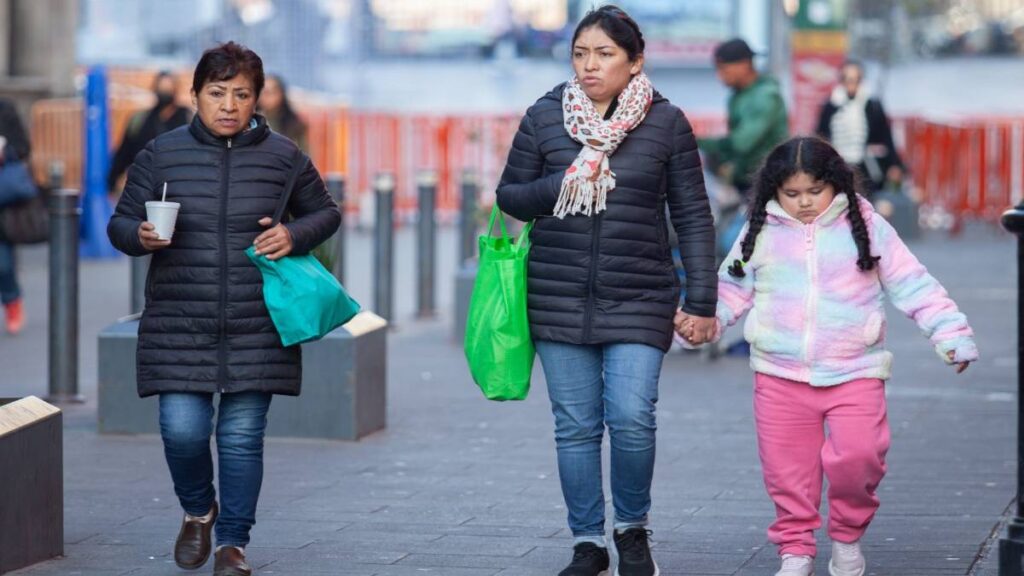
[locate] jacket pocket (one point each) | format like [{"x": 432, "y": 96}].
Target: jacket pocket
[
  {"x": 873, "y": 328},
  {"x": 750, "y": 327}
]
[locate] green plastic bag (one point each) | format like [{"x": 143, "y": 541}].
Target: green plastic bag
[
  {"x": 498, "y": 346},
  {"x": 305, "y": 301}
]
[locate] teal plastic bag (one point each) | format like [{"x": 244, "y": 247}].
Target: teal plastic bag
[
  {"x": 305, "y": 301},
  {"x": 498, "y": 345}
]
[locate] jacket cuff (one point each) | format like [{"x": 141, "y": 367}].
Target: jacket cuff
[
  {"x": 964, "y": 349},
  {"x": 697, "y": 309},
  {"x": 299, "y": 247}
]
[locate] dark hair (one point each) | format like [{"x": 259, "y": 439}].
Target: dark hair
[
  {"x": 854, "y": 64},
  {"x": 816, "y": 158},
  {"x": 289, "y": 118},
  {"x": 161, "y": 75},
  {"x": 224, "y": 63},
  {"x": 618, "y": 25}
]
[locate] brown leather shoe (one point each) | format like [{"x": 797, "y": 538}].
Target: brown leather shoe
[
  {"x": 230, "y": 561},
  {"x": 192, "y": 548}
]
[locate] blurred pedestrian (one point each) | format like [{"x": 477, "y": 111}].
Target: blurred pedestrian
[
  {"x": 757, "y": 117},
  {"x": 806, "y": 270},
  {"x": 276, "y": 107},
  {"x": 853, "y": 120},
  {"x": 205, "y": 329},
  {"x": 15, "y": 146},
  {"x": 593, "y": 164},
  {"x": 164, "y": 116}
]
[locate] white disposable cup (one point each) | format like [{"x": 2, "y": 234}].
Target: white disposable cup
[{"x": 162, "y": 215}]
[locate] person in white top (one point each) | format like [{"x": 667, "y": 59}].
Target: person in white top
[{"x": 853, "y": 120}]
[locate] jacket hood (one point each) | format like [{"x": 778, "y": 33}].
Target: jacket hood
[{"x": 835, "y": 210}]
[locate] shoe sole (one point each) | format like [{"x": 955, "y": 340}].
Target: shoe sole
[
  {"x": 657, "y": 571},
  {"x": 832, "y": 571},
  {"x": 194, "y": 566}
]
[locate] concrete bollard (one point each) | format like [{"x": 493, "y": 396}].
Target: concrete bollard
[
  {"x": 31, "y": 483},
  {"x": 344, "y": 385}
]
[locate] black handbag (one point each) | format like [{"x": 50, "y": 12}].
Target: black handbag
[{"x": 26, "y": 222}]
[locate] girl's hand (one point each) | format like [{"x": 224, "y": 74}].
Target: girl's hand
[
  {"x": 275, "y": 242},
  {"x": 961, "y": 366}
]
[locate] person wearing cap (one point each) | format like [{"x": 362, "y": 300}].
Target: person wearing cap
[{"x": 757, "y": 117}]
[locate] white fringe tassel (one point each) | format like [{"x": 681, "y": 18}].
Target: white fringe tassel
[{"x": 581, "y": 195}]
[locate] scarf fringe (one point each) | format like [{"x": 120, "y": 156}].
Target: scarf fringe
[{"x": 582, "y": 196}]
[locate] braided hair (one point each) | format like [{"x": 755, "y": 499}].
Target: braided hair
[{"x": 816, "y": 158}]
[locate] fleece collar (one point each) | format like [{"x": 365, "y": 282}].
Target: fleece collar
[{"x": 836, "y": 209}]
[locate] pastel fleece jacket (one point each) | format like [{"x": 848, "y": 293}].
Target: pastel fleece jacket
[{"x": 815, "y": 317}]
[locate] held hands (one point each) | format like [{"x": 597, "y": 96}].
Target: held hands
[
  {"x": 275, "y": 242},
  {"x": 150, "y": 239},
  {"x": 696, "y": 330},
  {"x": 960, "y": 366}
]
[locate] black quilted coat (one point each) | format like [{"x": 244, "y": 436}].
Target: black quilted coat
[
  {"x": 205, "y": 327},
  {"x": 609, "y": 278}
]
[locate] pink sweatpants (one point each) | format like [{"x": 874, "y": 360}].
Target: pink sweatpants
[{"x": 791, "y": 419}]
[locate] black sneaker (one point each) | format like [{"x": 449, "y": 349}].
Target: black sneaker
[
  {"x": 634, "y": 553},
  {"x": 588, "y": 559}
]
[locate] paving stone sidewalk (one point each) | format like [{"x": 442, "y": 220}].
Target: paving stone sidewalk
[{"x": 458, "y": 486}]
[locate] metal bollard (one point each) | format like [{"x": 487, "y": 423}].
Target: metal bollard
[
  {"x": 467, "y": 216},
  {"x": 1011, "y": 547},
  {"x": 336, "y": 187},
  {"x": 426, "y": 245},
  {"x": 56, "y": 174},
  {"x": 384, "y": 246},
  {"x": 63, "y": 350}
]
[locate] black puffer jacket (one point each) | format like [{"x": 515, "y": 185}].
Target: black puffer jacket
[
  {"x": 205, "y": 327},
  {"x": 609, "y": 278}
]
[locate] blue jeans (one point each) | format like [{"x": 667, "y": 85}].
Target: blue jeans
[
  {"x": 9, "y": 290},
  {"x": 614, "y": 385},
  {"x": 186, "y": 423}
]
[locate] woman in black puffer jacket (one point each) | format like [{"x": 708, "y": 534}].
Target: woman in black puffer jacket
[
  {"x": 205, "y": 329},
  {"x": 594, "y": 163}
]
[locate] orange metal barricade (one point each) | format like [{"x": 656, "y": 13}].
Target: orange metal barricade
[
  {"x": 972, "y": 169},
  {"x": 58, "y": 134}
]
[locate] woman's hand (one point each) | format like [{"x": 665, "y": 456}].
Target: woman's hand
[
  {"x": 150, "y": 239},
  {"x": 702, "y": 329},
  {"x": 696, "y": 330},
  {"x": 960, "y": 366},
  {"x": 275, "y": 242}
]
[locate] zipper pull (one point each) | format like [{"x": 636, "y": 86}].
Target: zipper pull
[{"x": 229, "y": 142}]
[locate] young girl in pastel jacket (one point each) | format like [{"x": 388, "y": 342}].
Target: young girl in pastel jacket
[{"x": 813, "y": 267}]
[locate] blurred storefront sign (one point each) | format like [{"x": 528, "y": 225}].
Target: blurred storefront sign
[{"x": 819, "y": 47}]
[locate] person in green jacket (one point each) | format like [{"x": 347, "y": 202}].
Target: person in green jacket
[{"x": 757, "y": 117}]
